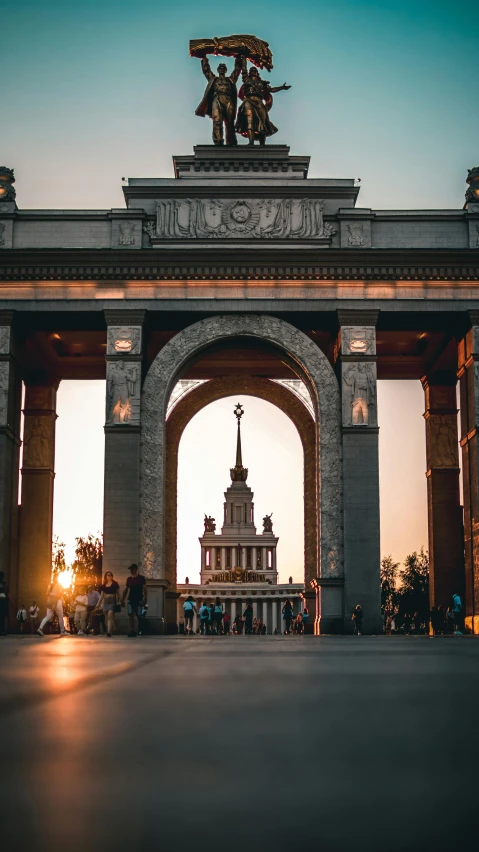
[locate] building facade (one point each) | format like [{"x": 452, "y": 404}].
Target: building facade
[
  {"x": 240, "y": 565},
  {"x": 243, "y": 274}
]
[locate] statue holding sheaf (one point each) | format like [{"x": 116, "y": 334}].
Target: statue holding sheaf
[{"x": 220, "y": 98}]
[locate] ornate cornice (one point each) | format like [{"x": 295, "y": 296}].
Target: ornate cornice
[{"x": 240, "y": 264}]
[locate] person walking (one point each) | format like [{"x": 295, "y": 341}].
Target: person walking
[
  {"x": 457, "y": 612},
  {"x": 248, "y": 618},
  {"x": 357, "y": 617},
  {"x": 3, "y": 604},
  {"x": 239, "y": 625},
  {"x": 22, "y": 616},
  {"x": 299, "y": 624},
  {"x": 226, "y": 623},
  {"x": 450, "y": 620},
  {"x": 204, "y": 616},
  {"x": 211, "y": 618},
  {"x": 135, "y": 590},
  {"x": 189, "y": 610},
  {"x": 218, "y": 615},
  {"x": 80, "y": 603},
  {"x": 109, "y": 601},
  {"x": 305, "y": 619},
  {"x": 33, "y": 616},
  {"x": 92, "y": 620},
  {"x": 54, "y": 605},
  {"x": 287, "y": 616}
]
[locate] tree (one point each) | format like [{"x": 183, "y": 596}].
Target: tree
[
  {"x": 414, "y": 588},
  {"x": 58, "y": 555},
  {"x": 89, "y": 556},
  {"x": 389, "y": 590}
]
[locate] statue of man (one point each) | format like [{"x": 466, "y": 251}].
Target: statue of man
[
  {"x": 219, "y": 100},
  {"x": 362, "y": 394},
  {"x": 118, "y": 394}
]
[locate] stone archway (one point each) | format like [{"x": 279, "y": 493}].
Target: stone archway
[
  {"x": 171, "y": 361},
  {"x": 283, "y": 399}
]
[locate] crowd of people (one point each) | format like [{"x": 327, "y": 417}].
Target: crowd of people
[
  {"x": 214, "y": 620},
  {"x": 438, "y": 622},
  {"x": 88, "y": 609}
]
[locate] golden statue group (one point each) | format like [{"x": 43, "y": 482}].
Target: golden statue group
[{"x": 220, "y": 98}]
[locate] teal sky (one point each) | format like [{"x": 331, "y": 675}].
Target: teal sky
[{"x": 100, "y": 89}]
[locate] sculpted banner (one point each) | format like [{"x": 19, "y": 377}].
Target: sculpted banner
[{"x": 200, "y": 218}]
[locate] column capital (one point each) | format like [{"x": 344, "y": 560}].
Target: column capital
[
  {"x": 347, "y": 316},
  {"x": 124, "y": 317}
]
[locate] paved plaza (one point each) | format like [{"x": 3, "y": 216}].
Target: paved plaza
[{"x": 244, "y": 743}]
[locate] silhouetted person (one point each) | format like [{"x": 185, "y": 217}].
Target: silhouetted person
[
  {"x": 287, "y": 615},
  {"x": 357, "y": 617},
  {"x": 457, "y": 610},
  {"x": 3, "y": 604},
  {"x": 248, "y": 618}
]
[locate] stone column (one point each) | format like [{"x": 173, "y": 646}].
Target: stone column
[
  {"x": 357, "y": 356},
  {"x": 274, "y": 616},
  {"x": 223, "y": 558},
  {"x": 10, "y": 403},
  {"x": 468, "y": 373},
  {"x": 233, "y": 613},
  {"x": 36, "y": 513},
  {"x": 446, "y": 542},
  {"x": 122, "y": 454}
]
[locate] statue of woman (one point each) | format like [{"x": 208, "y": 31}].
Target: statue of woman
[{"x": 253, "y": 120}]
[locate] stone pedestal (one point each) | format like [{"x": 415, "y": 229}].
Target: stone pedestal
[
  {"x": 446, "y": 546},
  {"x": 10, "y": 402},
  {"x": 36, "y": 513},
  {"x": 468, "y": 373},
  {"x": 357, "y": 367},
  {"x": 122, "y": 441}
]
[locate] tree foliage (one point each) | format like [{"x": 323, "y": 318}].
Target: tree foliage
[
  {"x": 58, "y": 555},
  {"x": 389, "y": 581},
  {"x": 89, "y": 556},
  {"x": 414, "y": 587}
]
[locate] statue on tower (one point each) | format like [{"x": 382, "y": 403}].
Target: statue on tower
[
  {"x": 220, "y": 98},
  {"x": 268, "y": 523},
  {"x": 210, "y": 524}
]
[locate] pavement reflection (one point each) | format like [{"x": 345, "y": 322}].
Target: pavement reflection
[{"x": 259, "y": 742}]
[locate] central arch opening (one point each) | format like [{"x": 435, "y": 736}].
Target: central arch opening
[{"x": 272, "y": 452}]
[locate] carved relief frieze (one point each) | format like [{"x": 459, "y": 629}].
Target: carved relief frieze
[
  {"x": 38, "y": 443},
  {"x": 122, "y": 393},
  {"x": 357, "y": 339},
  {"x": 127, "y": 235},
  {"x": 4, "y": 382},
  {"x": 252, "y": 218},
  {"x": 442, "y": 446},
  {"x": 4, "y": 339},
  {"x": 356, "y": 234},
  {"x": 124, "y": 340},
  {"x": 359, "y": 400}
]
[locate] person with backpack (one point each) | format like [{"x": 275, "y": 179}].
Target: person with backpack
[
  {"x": 204, "y": 618},
  {"x": 189, "y": 610},
  {"x": 218, "y": 616},
  {"x": 357, "y": 617},
  {"x": 305, "y": 618}
]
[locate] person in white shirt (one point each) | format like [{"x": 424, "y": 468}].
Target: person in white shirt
[
  {"x": 54, "y": 605},
  {"x": 80, "y": 603}
]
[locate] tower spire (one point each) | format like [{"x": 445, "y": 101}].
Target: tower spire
[{"x": 238, "y": 473}]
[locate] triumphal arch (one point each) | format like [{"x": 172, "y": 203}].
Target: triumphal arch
[{"x": 242, "y": 270}]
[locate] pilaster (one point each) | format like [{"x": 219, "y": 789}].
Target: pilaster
[
  {"x": 122, "y": 442},
  {"x": 10, "y": 403},
  {"x": 446, "y": 546},
  {"x": 38, "y": 474},
  {"x": 356, "y": 364},
  {"x": 468, "y": 374}
]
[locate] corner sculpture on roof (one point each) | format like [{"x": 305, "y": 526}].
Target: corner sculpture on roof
[{"x": 220, "y": 98}]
